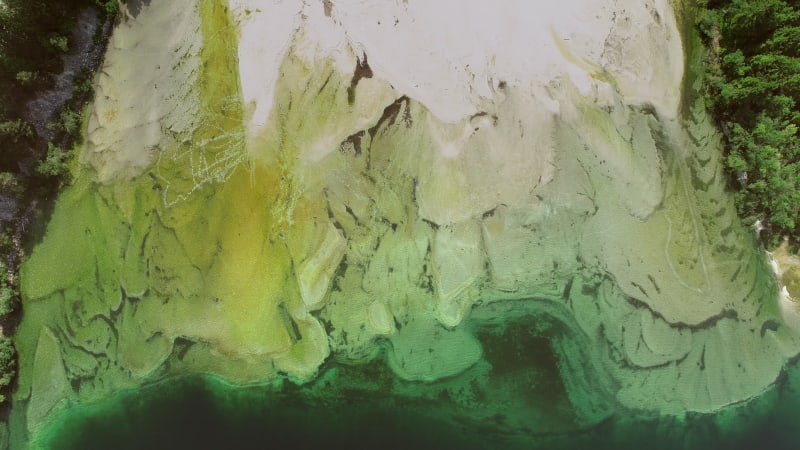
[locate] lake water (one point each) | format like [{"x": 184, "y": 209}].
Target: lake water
[{"x": 195, "y": 412}]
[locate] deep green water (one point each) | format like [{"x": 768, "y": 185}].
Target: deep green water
[
  {"x": 200, "y": 413},
  {"x": 341, "y": 410}
]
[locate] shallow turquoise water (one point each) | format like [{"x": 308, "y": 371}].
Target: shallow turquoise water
[{"x": 196, "y": 412}]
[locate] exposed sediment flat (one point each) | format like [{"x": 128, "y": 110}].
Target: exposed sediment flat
[{"x": 276, "y": 184}]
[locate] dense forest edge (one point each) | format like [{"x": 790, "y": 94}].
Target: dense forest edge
[
  {"x": 35, "y": 38},
  {"x": 753, "y": 91}
]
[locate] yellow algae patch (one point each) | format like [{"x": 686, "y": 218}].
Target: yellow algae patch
[
  {"x": 217, "y": 262},
  {"x": 248, "y": 277},
  {"x": 585, "y": 68},
  {"x": 305, "y": 357},
  {"x": 232, "y": 300},
  {"x": 192, "y": 251},
  {"x": 216, "y": 145}
]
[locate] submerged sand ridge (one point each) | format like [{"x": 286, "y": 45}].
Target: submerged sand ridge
[{"x": 280, "y": 184}]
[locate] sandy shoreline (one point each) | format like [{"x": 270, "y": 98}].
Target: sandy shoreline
[
  {"x": 452, "y": 56},
  {"x": 783, "y": 262}
]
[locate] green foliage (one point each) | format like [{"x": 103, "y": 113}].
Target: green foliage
[
  {"x": 26, "y": 78},
  {"x": 15, "y": 131},
  {"x": 11, "y": 184},
  {"x": 7, "y": 352},
  {"x": 8, "y": 364},
  {"x": 70, "y": 121},
  {"x": 60, "y": 43},
  {"x": 111, "y": 7},
  {"x": 16, "y": 137},
  {"x": 33, "y": 36},
  {"x": 54, "y": 164},
  {"x": 7, "y": 294},
  {"x": 84, "y": 82},
  {"x": 754, "y": 91},
  {"x": 33, "y": 39}
]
